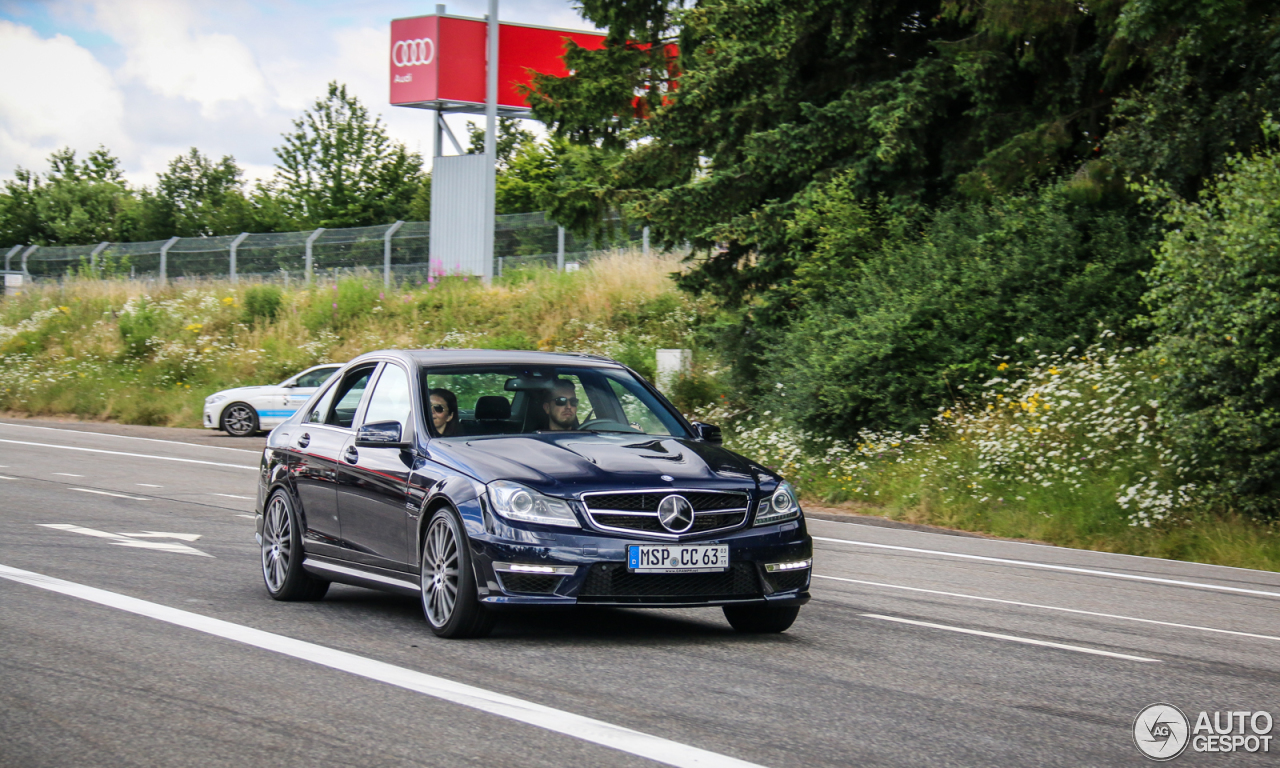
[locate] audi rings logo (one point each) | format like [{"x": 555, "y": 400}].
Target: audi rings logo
[{"x": 413, "y": 53}]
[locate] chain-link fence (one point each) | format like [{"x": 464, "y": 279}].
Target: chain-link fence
[{"x": 400, "y": 251}]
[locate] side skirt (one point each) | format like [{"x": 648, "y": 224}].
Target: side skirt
[{"x": 362, "y": 576}]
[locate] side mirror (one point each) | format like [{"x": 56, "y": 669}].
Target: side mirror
[
  {"x": 707, "y": 432},
  {"x": 380, "y": 434}
]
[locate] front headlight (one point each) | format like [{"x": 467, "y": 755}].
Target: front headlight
[
  {"x": 214, "y": 399},
  {"x": 782, "y": 505},
  {"x": 517, "y": 502}
]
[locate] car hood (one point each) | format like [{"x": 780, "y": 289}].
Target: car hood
[
  {"x": 571, "y": 463},
  {"x": 265, "y": 389}
]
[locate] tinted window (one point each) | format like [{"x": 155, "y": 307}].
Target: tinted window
[
  {"x": 390, "y": 398},
  {"x": 510, "y": 399},
  {"x": 315, "y": 378},
  {"x": 348, "y": 397}
]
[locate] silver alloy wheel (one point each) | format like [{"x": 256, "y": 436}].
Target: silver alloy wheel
[
  {"x": 238, "y": 420},
  {"x": 440, "y": 572},
  {"x": 277, "y": 543}
]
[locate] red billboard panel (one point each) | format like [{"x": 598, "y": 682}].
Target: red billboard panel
[{"x": 440, "y": 60}]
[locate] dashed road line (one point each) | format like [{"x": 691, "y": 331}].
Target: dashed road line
[
  {"x": 1013, "y": 638},
  {"x": 132, "y": 455},
  {"x": 109, "y": 493}
]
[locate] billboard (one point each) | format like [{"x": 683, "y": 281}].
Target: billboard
[{"x": 438, "y": 62}]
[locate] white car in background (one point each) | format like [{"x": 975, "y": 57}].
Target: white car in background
[{"x": 245, "y": 410}]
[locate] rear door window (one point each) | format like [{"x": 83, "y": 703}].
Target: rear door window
[{"x": 347, "y": 400}]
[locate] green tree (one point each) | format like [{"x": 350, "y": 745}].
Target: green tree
[
  {"x": 76, "y": 203},
  {"x": 526, "y": 170},
  {"x": 1214, "y": 305},
  {"x": 339, "y": 168},
  {"x": 196, "y": 196},
  {"x": 918, "y": 100}
]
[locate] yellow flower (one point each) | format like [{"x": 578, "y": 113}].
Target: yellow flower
[
  {"x": 195, "y": 327},
  {"x": 229, "y": 300},
  {"x": 1002, "y": 366},
  {"x": 65, "y": 310},
  {"x": 1053, "y": 371}
]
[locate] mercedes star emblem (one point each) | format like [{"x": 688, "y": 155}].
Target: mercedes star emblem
[{"x": 675, "y": 513}]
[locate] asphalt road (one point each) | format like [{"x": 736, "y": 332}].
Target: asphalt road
[{"x": 917, "y": 649}]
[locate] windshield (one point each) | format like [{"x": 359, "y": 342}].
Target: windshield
[{"x": 519, "y": 399}]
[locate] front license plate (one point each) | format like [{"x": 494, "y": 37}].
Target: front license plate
[{"x": 677, "y": 558}]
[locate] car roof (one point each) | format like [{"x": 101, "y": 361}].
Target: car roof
[{"x": 433, "y": 357}]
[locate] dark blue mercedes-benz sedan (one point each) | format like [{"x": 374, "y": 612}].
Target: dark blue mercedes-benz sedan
[{"x": 479, "y": 480}]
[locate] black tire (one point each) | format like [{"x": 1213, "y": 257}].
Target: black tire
[
  {"x": 239, "y": 420},
  {"x": 450, "y": 602},
  {"x": 282, "y": 570},
  {"x": 760, "y": 619}
]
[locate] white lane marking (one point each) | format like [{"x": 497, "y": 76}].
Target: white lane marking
[
  {"x": 67, "y": 474},
  {"x": 1048, "y": 607},
  {"x": 6, "y": 477},
  {"x": 163, "y": 535},
  {"x": 134, "y": 455},
  {"x": 1040, "y": 546},
  {"x": 1053, "y": 567},
  {"x": 109, "y": 493},
  {"x": 251, "y": 517},
  {"x": 127, "y": 437},
  {"x": 588, "y": 729},
  {"x": 148, "y": 485},
  {"x": 233, "y": 496},
  {"x": 1013, "y": 638},
  {"x": 127, "y": 540}
]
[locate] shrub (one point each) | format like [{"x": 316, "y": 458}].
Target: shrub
[
  {"x": 1215, "y": 313},
  {"x": 262, "y": 302},
  {"x": 139, "y": 324},
  {"x": 890, "y": 321}
]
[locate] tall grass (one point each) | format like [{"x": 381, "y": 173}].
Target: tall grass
[
  {"x": 1069, "y": 448},
  {"x": 147, "y": 354}
]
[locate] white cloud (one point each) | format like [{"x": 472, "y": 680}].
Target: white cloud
[
  {"x": 54, "y": 94},
  {"x": 166, "y": 52}
]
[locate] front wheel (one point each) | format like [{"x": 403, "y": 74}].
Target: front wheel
[
  {"x": 239, "y": 420},
  {"x": 282, "y": 569},
  {"x": 449, "y": 599},
  {"x": 760, "y": 619}
]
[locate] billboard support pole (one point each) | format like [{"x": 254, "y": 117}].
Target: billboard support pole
[{"x": 490, "y": 138}]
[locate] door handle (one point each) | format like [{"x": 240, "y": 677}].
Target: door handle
[
  {"x": 351, "y": 455},
  {"x": 304, "y": 441}
]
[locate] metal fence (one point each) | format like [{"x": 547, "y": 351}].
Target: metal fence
[{"x": 399, "y": 251}]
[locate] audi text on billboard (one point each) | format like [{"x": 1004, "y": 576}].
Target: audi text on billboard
[{"x": 441, "y": 59}]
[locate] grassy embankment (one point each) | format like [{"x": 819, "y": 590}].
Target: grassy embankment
[{"x": 1065, "y": 449}]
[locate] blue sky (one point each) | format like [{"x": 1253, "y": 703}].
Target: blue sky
[{"x": 149, "y": 79}]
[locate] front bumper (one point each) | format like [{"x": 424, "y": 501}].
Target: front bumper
[{"x": 590, "y": 568}]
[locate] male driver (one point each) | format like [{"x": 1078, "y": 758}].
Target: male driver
[{"x": 562, "y": 407}]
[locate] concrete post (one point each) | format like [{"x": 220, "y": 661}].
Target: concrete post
[
  {"x": 93, "y": 257},
  {"x": 164, "y": 259},
  {"x": 311, "y": 239},
  {"x": 386, "y": 254},
  {"x": 644, "y": 238},
  {"x": 12, "y": 252},
  {"x": 559, "y": 249},
  {"x": 234, "y": 245},
  {"x": 26, "y": 255}
]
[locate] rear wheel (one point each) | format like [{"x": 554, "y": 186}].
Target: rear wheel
[
  {"x": 760, "y": 619},
  {"x": 449, "y": 599},
  {"x": 282, "y": 569},
  {"x": 239, "y": 420}
]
